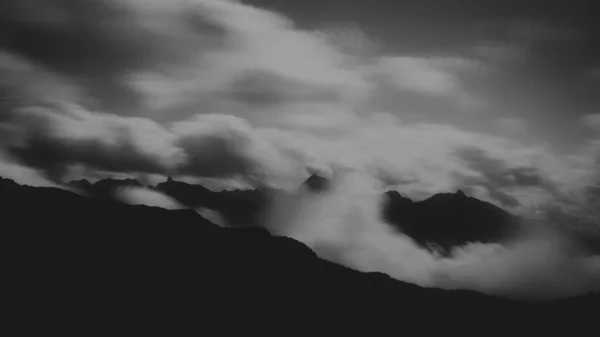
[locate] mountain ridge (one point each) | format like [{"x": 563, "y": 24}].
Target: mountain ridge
[
  {"x": 95, "y": 262},
  {"x": 470, "y": 219}
]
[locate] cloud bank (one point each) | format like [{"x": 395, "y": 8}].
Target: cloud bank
[{"x": 345, "y": 226}]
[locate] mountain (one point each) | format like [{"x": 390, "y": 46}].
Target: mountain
[
  {"x": 443, "y": 221},
  {"x": 447, "y": 220},
  {"x": 316, "y": 183},
  {"x": 240, "y": 208},
  {"x": 104, "y": 188},
  {"x": 84, "y": 264}
]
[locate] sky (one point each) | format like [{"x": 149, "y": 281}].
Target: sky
[
  {"x": 536, "y": 59},
  {"x": 501, "y": 99}
]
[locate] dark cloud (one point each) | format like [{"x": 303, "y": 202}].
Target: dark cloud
[
  {"x": 56, "y": 139},
  {"x": 497, "y": 176},
  {"x": 52, "y": 140},
  {"x": 259, "y": 87},
  {"x": 96, "y": 43},
  {"x": 54, "y": 156},
  {"x": 215, "y": 156}
]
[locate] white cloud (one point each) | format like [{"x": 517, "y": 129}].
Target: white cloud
[
  {"x": 592, "y": 121},
  {"x": 344, "y": 225},
  {"x": 252, "y": 72},
  {"x": 435, "y": 77},
  {"x": 22, "y": 174},
  {"x": 259, "y": 47},
  {"x": 349, "y": 38},
  {"x": 418, "y": 74},
  {"x": 148, "y": 197},
  {"x": 513, "y": 125}
]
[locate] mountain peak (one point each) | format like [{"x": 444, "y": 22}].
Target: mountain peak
[
  {"x": 316, "y": 183},
  {"x": 461, "y": 193}
]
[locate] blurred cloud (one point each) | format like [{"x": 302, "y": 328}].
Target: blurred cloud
[
  {"x": 344, "y": 225},
  {"x": 513, "y": 125},
  {"x": 505, "y": 181},
  {"x": 52, "y": 139},
  {"x": 224, "y": 90},
  {"x": 148, "y": 197},
  {"x": 56, "y": 139},
  {"x": 101, "y": 42},
  {"x": 433, "y": 77},
  {"x": 22, "y": 174},
  {"x": 592, "y": 121},
  {"x": 419, "y": 74},
  {"x": 23, "y": 82}
]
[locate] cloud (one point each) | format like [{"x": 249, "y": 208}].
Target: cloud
[
  {"x": 517, "y": 40},
  {"x": 349, "y": 38},
  {"x": 513, "y": 125},
  {"x": 59, "y": 139},
  {"x": 224, "y": 90},
  {"x": 23, "y": 82},
  {"x": 419, "y": 74},
  {"x": 423, "y": 159},
  {"x": 226, "y": 146},
  {"x": 99, "y": 43},
  {"x": 212, "y": 216},
  {"x": 264, "y": 61},
  {"x": 148, "y": 197},
  {"x": 506, "y": 182},
  {"x": 433, "y": 77},
  {"x": 593, "y": 121},
  {"x": 22, "y": 174},
  {"x": 344, "y": 225},
  {"x": 52, "y": 139}
]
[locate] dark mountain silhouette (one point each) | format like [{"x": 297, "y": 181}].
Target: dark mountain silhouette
[
  {"x": 316, "y": 183},
  {"x": 448, "y": 220},
  {"x": 104, "y": 188},
  {"x": 240, "y": 208},
  {"x": 444, "y": 221},
  {"x": 85, "y": 263},
  {"x": 78, "y": 263}
]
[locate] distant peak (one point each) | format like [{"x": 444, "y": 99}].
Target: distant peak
[
  {"x": 169, "y": 179},
  {"x": 461, "y": 193},
  {"x": 316, "y": 183}
]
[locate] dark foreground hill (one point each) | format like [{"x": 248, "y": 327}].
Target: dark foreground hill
[{"x": 83, "y": 265}]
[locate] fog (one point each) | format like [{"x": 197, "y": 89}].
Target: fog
[{"x": 343, "y": 224}]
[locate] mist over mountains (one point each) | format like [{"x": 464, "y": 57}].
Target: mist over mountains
[
  {"x": 465, "y": 219},
  {"x": 449, "y": 240},
  {"x": 83, "y": 260},
  {"x": 454, "y": 153}
]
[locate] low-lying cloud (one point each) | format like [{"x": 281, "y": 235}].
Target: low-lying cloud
[
  {"x": 146, "y": 196},
  {"x": 345, "y": 225}
]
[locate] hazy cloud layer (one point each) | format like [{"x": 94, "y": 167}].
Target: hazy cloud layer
[
  {"x": 148, "y": 197},
  {"x": 344, "y": 225},
  {"x": 223, "y": 89}
]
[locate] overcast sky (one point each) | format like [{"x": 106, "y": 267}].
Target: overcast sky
[
  {"x": 500, "y": 98},
  {"x": 537, "y": 61}
]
